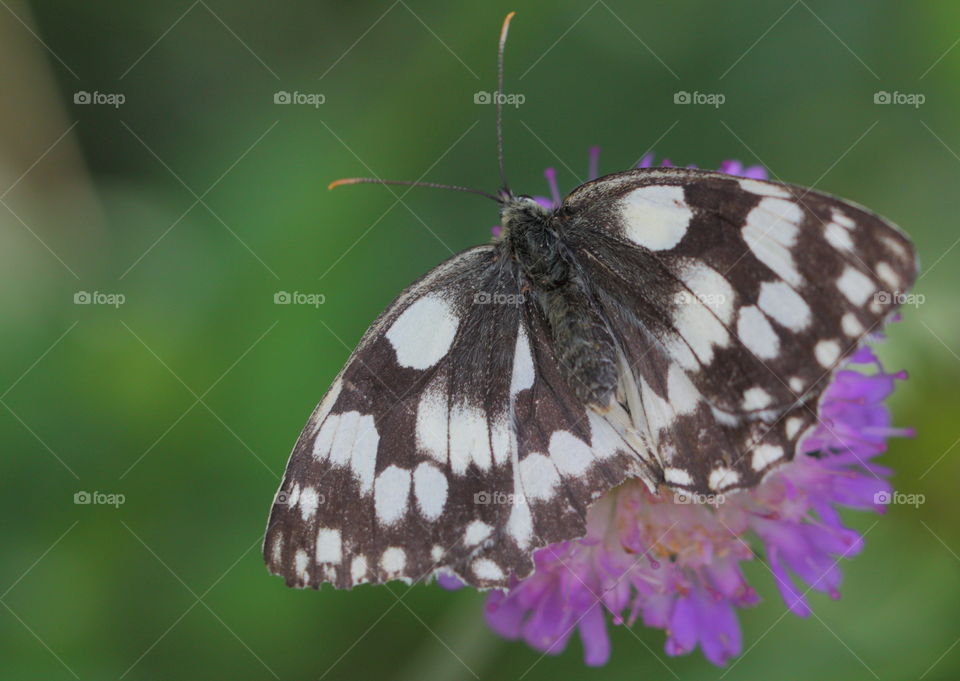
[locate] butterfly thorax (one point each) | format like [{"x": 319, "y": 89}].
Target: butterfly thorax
[{"x": 532, "y": 235}]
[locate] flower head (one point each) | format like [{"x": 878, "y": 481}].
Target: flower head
[{"x": 676, "y": 565}]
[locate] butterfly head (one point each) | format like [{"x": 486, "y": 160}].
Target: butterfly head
[{"x": 517, "y": 213}]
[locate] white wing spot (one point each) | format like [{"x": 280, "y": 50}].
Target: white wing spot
[
  {"x": 309, "y": 500},
  {"x": 721, "y": 478},
  {"x": 520, "y": 524},
  {"x": 523, "y": 372},
  {"x": 851, "y": 325},
  {"x": 329, "y": 546},
  {"x": 393, "y": 560},
  {"x": 756, "y": 398},
  {"x": 784, "y": 305},
  {"x": 771, "y": 232},
  {"x": 838, "y": 237},
  {"x": 700, "y": 329},
  {"x": 423, "y": 333},
  {"x": 842, "y": 219},
  {"x": 682, "y": 394},
  {"x": 656, "y": 217},
  {"x": 855, "y": 285},
  {"x": 792, "y": 426},
  {"x": 300, "y": 562},
  {"x": 763, "y": 188},
  {"x": 433, "y": 420},
  {"x": 484, "y": 568},
  {"x": 430, "y": 487},
  {"x": 391, "y": 494},
  {"x": 709, "y": 287},
  {"x": 827, "y": 353},
  {"x": 469, "y": 439},
  {"x": 885, "y": 272},
  {"x": 764, "y": 455},
  {"x": 437, "y": 553},
  {"x": 796, "y": 384},
  {"x": 756, "y": 333},
  {"x": 539, "y": 476},
  {"x": 569, "y": 454},
  {"x": 476, "y": 532},
  {"x": 358, "y": 569},
  {"x": 677, "y": 476}
]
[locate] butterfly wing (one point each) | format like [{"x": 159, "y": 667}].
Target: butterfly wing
[
  {"x": 448, "y": 443},
  {"x": 734, "y": 301}
]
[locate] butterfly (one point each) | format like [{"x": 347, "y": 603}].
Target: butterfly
[{"x": 676, "y": 326}]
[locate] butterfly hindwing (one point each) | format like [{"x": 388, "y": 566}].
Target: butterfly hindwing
[
  {"x": 746, "y": 294},
  {"x": 448, "y": 443}
]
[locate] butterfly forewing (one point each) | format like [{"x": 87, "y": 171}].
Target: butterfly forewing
[
  {"x": 449, "y": 443},
  {"x": 734, "y": 301}
]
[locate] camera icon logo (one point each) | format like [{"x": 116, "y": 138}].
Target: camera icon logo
[
  {"x": 281, "y": 298},
  {"x": 481, "y": 498},
  {"x": 82, "y": 97},
  {"x": 82, "y": 498},
  {"x": 282, "y": 97},
  {"x": 82, "y": 298},
  {"x": 882, "y": 497},
  {"x": 482, "y": 97},
  {"x": 682, "y": 97},
  {"x": 681, "y": 497},
  {"x": 882, "y": 97}
]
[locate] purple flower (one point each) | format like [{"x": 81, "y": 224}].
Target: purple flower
[{"x": 677, "y": 566}]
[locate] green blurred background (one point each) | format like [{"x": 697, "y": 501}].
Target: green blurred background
[{"x": 198, "y": 198}]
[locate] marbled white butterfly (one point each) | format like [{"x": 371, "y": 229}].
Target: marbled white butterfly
[{"x": 673, "y": 325}]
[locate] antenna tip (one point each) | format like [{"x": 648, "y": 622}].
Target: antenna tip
[
  {"x": 337, "y": 183},
  {"x": 506, "y": 25}
]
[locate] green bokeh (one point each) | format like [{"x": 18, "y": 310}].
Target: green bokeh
[{"x": 187, "y": 398}]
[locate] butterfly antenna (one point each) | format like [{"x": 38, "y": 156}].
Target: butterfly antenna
[
  {"x": 434, "y": 185},
  {"x": 505, "y": 189}
]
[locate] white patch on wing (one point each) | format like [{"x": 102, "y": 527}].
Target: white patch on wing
[
  {"x": 393, "y": 560},
  {"x": 764, "y": 455},
  {"x": 423, "y": 333},
  {"x": 538, "y": 476},
  {"x": 784, "y": 305},
  {"x": 796, "y": 384},
  {"x": 756, "y": 398},
  {"x": 838, "y": 237},
  {"x": 851, "y": 325},
  {"x": 886, "y": 273},
  {"x": 430, "y": 488},
  {"x": 500, "y": 439},
  {"x": 827, "y": 353},
  {"x": 523, "y": 372},
  {"x": 701, "y": 329},
  {"x": 300, "y": 563},
  {"x": 484, "y": 568},
  {"x": 771, "y": 232},
  {"x": 656, "y": 217},
  {"x": 350, "y": 439},
  {"x": 432, "y": 420},
  {"x": 722, "y": 478},
  {"x": 855, "y": 285},
  {"x": 476, "y": 532},
  {"x": 469, "y": 440},
  {"x": 763, "y": 188},
  {"x": 358, "y": 569},
  {"x": 677, "y": 476},
  {"x": 604, "y": 440},
  {"x": 658, "y": 411},
  {"x": 326, "y": 404},
  {"x": 709, "y": 287},
  {"x": 842, "y": 219},
  {"x": 520, "y": 523},
  {"x": 391, "y": 494},
  {"x": 569, "y": 454},
  {"x": 682, "y": 394},
  {"x": 792, "y": 426},
  {"x": 756, "y": 333},
  {"x": 329, "y": 545},
  {"x": 309, "y": 500}
]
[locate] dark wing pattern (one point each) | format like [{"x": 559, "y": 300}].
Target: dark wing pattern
[
  {"x": 733, "y": 301},
  {"x": 448, "y": 444}
]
